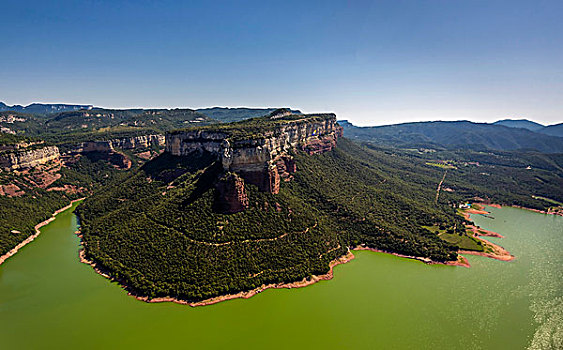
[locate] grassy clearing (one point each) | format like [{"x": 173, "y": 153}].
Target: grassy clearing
[
  {"x": 465, "y": 241},
  {"x": 441, "y": 165}
]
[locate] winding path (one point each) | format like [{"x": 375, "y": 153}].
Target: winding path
[{"x": 440, "y": 186}]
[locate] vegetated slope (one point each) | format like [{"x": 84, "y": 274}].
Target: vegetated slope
[
  {"x": 68, "y": 123},
  {"x": 21, "y": 123},
  {"x": 520, "y": 123},
  {"x": 553, "y": 130},
  {"x": 228, "y": 115},
  {"x": 459, "y": 134},
  {"x": 511, "y": 178},
  {"x": 159, "y": 234},
  {"x": 35, "y": 201},
  {"x": 160, "y": 119}
]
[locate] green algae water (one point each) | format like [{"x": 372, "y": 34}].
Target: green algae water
[{"x": 49, "y": 300}]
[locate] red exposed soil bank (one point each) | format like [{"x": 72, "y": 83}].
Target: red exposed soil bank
[{"x": 37, "y": 232}]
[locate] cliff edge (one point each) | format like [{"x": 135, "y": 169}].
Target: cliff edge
[{"x": 258, "y": 150}]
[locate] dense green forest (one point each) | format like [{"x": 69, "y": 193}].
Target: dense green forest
[
  {"x": 510, "y": 178},
  {"x": 229, "y": 115},
  {"x": 158, "y": 232},
  {"x": 78, "y": 125},
  {"x": 258, "y": 127}
]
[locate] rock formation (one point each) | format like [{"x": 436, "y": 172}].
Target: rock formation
[
  {"x": 231, "y": 195},
  {"x": 134, "y": 142},
  {"x": 28, "y": 157},
  {"x": 110, "y": 148},
  {"x": 260, "y": 154}
]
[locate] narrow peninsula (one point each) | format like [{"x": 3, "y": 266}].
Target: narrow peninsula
[{"x": 275, "y": 201}]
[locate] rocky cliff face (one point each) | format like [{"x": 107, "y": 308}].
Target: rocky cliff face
[
  {"x": 136, "y": 142},
  {"x": 110, "y": 148},
  {"x": 265, "y": 160},
  {"x": 28, "y": 158},
  {"x": 231, "y": 194}
]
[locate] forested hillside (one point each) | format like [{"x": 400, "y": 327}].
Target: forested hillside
[
  {"x": 457, "y": 135},
  {"x": 40, "y": 192},
  {"x": 158, "y": 231},
  {"x": 228, "y": 115}
]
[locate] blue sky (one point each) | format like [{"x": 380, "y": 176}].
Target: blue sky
[{"x": 372, "y": 62}]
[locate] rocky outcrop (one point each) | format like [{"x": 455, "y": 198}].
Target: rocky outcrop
[
  {"x": 264, "y": 160},
  {"x": 231, "y": 194},
  {"x": 28, "y": 157},
  {"x": 110, "y": 149},
  {"x": 126, "y": 143}
]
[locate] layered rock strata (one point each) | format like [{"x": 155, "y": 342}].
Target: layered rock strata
[
  {"x": 135, "y": 142},
  {"x": 262, "y": 160},
  {"x": 28, "y": 158}
]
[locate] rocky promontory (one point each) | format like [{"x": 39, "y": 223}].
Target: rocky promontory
[
  {"x": 28, "y": 157},
  {"x": 259, "y": 151},
  {"x": 126, "y": 143}
]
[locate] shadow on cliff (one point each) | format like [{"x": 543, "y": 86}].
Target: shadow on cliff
[
  {"x": 167, "y": 168},
  {"x": 205, "y": 182}
]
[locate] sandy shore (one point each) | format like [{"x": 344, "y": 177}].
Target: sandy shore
[
  {"x": 37, "y": 232},
  {"x": 245, "y": 295},
  {"x": 497, "y": 252},
  {"x": 495, "y": 205},
  {"x": 477, "y": 231},
  {"x": 462, "y": 261}
]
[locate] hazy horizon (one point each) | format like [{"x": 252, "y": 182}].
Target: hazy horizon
[
  {"x": 360, "y": 123},
  {"x": 370, "y": 62}
]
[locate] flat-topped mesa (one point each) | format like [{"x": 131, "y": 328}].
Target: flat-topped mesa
[{"x": 259, "y": 149}]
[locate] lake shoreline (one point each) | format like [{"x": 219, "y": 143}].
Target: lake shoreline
[
  {"x": 497, "y": 252},
  {"x": 349, "y": 256},
  {"x": 37, "y": 227},
  {"x": 496, "y": 205}
]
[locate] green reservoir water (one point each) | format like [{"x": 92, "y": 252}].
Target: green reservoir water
[{"x": 49, "y": 300}]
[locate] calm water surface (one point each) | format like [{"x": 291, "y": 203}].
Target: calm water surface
[{"x": 49, "y": 300}]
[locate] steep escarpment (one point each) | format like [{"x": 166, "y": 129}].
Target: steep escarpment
[
  {"x": 126, "y": 143},
  {"x": 142, "y": 146},
  {"x": 259, "y": 150},
  {"x": 208, "y": 217},
  {"x": 28, "y": 157}
]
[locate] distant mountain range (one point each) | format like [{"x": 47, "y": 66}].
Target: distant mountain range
[
  {"x": 221, "y": 114},
  {"x": 553, "y": 130},
  {"x": 460, "y": 135},
  {"x": 507, "y": 134},
  {"x": 520, "y": 123},
  {"x": 40, "y": 108}
]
